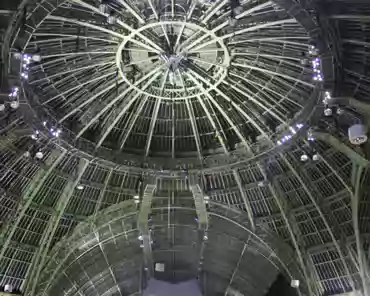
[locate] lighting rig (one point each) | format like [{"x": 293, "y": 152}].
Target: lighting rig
[
  {"x": 314, "y": 55},
  {"x": 14, "y": 102}
]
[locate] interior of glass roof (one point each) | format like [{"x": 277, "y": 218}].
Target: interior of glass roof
[{"x": 184, "y": 147}]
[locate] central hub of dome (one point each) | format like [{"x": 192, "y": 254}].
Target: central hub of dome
[
  {"x": 173, "y": 61},
  {"x": 170, "y": 60}
]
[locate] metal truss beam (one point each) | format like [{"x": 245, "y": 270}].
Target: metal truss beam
[
  {"x": 357, "y": 174},
  {"x": 236, "y": 268},
  {"x": 287, "y": 213},
  {"x": 145, "y": 209},
  {"x": 152, "y": 125},
  {"x": 341, "y": 147},
  {"x": 245, "y": 199},
  {"x": 195, "y": 128},
  {"x": 323, "y": 212},
  {"x": 101, "y": 195},
  {"x": 131, "y": 122},
  {"x": 52, "y": 226},
  {"x": 31, "y": 192}
]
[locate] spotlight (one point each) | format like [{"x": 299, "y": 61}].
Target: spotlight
[
  {"x": 357, "y": 134},
  {"x": 261, "y": 184},
  {"x": 328, "y": 112},
  {"x": 140, "y": 237},
  {"x": 39, "y": 155},
  {"x": 8, "y": 288},
  {"x": 315, "y": 157},
  {"x": 33, "y": 137},
  {"x": 27, "y": 154},
  {"x": 304, "y": 157},
  {"x": 294, "y": 283},
  {"x": 136, "y": 197},
  {"x": 36, "y": 58},
  {"x": 2, "y": 107},
  {"x": 80, "y": 187},
  {"x": 205, "y": 237},
  {"x": 14, "y": 104}
]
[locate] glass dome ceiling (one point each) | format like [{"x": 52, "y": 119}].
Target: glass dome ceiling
[
  {"x": 185, "y": 134},
  {"x": 172, "y": 80}
]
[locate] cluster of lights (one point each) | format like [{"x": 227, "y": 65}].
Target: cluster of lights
[
  {"x": 316, "y": 68},
  {"x": 54, "y": 132},
  {"x": 316, "y": 63},
  {"x": 327, "y": 97},
  {"x": 14, "y": 92},
  {"x": 14, "y": 104},
  {"x": 13, "y": 95},
  {"x": 38, "y": 155},
  {"x": 327, "y": 111},
  {"x": 26, "y": 61},
  {"x": 293, "y": 131},
  {"x": 312, "y": 50},
  {"x": 35, "y": 135},
  {"x": 305, "y": 157}
]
